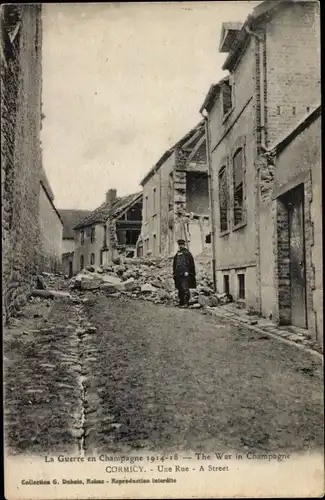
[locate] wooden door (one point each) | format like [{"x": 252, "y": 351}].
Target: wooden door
[{"x": 297, "y": 258}]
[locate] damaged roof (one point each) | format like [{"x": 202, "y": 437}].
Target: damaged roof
[
  {"x": 70, "y": 219},
  {"x": 263, "y": 10},
  {"x": 108, "y": 211},
  {"x": 195, "y": 131},
  {"x": 233, "y": 38},
  {"x": 212, "y": 94},
  {"x": 229, "y": 32}
]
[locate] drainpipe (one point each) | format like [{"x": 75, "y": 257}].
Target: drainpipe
[
  {"x": 211, "y": 196},
  {"x": 262, "y": 143},
  {"x": 259, "y": 38}
]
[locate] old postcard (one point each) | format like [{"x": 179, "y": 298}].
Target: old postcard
[{"x": 162, "y": 250}]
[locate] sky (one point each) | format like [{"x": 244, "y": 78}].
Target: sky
[{"x": 122, "y": 83}]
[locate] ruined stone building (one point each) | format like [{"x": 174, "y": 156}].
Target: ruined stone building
[
  {"x": 176, "y": 198},
  {"x": 70, "y": 218},
  {"x": 264, "y": 131},
  {"x": 109, "y": 231}
]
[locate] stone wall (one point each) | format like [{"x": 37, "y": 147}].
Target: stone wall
[
  {"x": 20, "y": 152},
  {"x": 51, "y": 228}
]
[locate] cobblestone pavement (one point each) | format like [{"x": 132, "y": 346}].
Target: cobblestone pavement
[
  {"x": 43, "y": 394},
  {"x": 114, "y": 374}
]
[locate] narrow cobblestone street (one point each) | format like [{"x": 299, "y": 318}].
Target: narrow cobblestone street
[{"x": 123, "y": 374}]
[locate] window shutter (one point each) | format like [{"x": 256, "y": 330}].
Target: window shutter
[{"x": 238, "y": 168}]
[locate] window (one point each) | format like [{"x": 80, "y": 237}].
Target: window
[
  {"x": 146, "y": 246},
  {"x": 146, "y": 208},
  {"x": 170, "y": 191},
  {"x": 154, "y": 201},
  {"x": 226, "y": 288},
  {"x": 105, "y": 235},
  {"x": 92, "y": 234},
  {"x": 131, "y": 237},
  {"x": 226, "y": 97},
  {"x": 81, "y": 262},
  {"x": 238, "y": 176},
  {"x": 208, "y": 238},
  {"x": 92, "y": 259},
  {"x": 154, "y": 245},
  {"x": 241, "y": 286},
  {"x": 223, "y": 199},
  {"x": 82, "y": 237},
  {"x": 101, "y": 257}
]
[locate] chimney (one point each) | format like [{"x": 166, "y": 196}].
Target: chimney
[{"x": 111, "y": 196}]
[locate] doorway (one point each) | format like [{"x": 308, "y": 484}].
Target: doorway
[
  {"x": 295, "y": 207},
  {"x": 291, "y": 257},
  {"x": 70, "y": 269}
]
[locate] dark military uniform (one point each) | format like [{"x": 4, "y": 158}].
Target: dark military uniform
[{"x": 184, "y": 263}]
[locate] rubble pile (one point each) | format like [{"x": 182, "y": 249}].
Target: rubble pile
[
  {"x": 147, "y": 279},
  {"x": 51, "y": 281}
]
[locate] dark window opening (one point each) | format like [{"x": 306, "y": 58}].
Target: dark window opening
[
  {"x": 105, "y": 236},
  {"x": 226, "y": 97},
  {"x": 146, "y": 215},
  {"x": 82, "y": 237},
  {"x": 238, "y": 175},
  {"x": 170, "y": 191},
  {"x": 226, "y": 287},
  {"x": 238, "y": 204},
  {"x": 101, "y": 258},
  {"x": 208, "y": 238},
  {"x": 241, "y": 286},
  {"x": 223, "y": 199},
  {"x": 197, "y": 193},
  {"x": 81, "y": 262},
  {"x": 154, "y": 245},
  {"x": 92, "y": 234},
  {"x": 135, "y": 213},
  {"x": 131, "y": 237},
  {"x": 92, "y": 259}
]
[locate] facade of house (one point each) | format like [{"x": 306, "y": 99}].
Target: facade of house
[
  {"x": 266, "y": 95},
  {"x": 21, "y": 45},
  {"x": 176, "y": 198},
  {"x": 111, "y": 230},
  {"x": 290, "y": 230},
  {"x": 70, "y": 218},
  {"x": 51, "y": 229}
]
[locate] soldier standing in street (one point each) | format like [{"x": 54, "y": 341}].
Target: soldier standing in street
[{"x": 184, "y": 273}]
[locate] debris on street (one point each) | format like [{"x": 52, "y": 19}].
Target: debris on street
[{"x": 147, "y": 279}]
